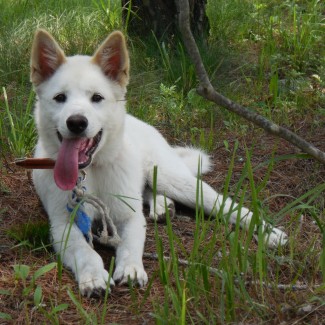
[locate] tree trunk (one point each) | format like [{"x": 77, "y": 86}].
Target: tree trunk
[{"x": 144, "y": 17}]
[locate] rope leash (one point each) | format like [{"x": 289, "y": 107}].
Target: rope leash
[{"x": 76, "y": 201}]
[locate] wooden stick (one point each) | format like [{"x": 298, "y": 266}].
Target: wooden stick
[
  {"x": 36, "y": 163},
  {"x": 269, "y": 285}
]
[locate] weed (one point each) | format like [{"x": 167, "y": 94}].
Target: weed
[
  {"x": 22, "y": 274},
  {"x": 177, "y": 67},
  {"x": 5, "y": 316},
  {"x": 17, "y": 129},
  {"x": 190, "y": 292},
  {"x": 111, "y": 14},
  {"x": 34, "y": 235}
]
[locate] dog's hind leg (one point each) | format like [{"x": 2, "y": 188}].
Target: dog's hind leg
[
  {"x": 158, "y": 211},
  {"x": 180, "y": 185},
  {"x": 191, "y": 157}
]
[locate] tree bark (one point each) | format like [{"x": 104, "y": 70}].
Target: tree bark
[
  {"x": 206, "y": 90},
  {"x": 143, "y": 17}
]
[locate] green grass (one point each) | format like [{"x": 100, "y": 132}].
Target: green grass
[
  {"x": 35, "y": 235},
  {"x": 17, "y": 124},
  {"x": 199, "y": 294},
  {"x": 268, "y": 55}
]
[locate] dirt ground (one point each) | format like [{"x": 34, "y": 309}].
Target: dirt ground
[{"x": 20, "y": 205}]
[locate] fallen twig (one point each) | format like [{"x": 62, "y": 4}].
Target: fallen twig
[
  {"x": 154, "y": 256},
  {"x": 206, "y": 90},
  {"x": 212, "y": 270}
]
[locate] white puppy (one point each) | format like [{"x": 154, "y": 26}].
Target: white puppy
[{"x": 82, "y": 124}]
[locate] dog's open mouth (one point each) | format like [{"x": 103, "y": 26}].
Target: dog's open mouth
[
  {"x": 86, "y": 147},
  {"x": 74, "y": 154}
]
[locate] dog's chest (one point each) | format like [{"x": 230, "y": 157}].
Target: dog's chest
[
  {"x": 104, "y": 181},
  {"x": 114, "y": 184}
]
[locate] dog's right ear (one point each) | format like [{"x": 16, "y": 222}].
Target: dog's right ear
[
  {"x": 46, "y": 57},
  {"x": 113, "y": 58}
]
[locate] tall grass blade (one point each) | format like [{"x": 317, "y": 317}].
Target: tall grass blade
[
  {"x": 183, "y": 313},
  {"x": 87, "y": 317},
  {"x": 110, "y": 272}
]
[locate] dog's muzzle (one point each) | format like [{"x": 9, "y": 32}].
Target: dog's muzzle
[{"x": 75, "y": 152}]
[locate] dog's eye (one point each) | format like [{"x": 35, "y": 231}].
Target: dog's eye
[
  {"x": 96, "y": 98},
  {"x": 60, "y": 98}
]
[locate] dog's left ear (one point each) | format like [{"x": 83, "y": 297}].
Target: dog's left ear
[
  {"x": 113, "y": 58},
  {"x": 46, "y": 57}
]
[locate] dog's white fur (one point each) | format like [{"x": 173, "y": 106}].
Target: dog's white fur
[{"x": 123, "y": 163}]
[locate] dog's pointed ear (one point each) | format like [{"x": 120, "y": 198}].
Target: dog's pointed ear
[
  {"x": 46, "y": 57},
  {"x": 113, "y": 58}
]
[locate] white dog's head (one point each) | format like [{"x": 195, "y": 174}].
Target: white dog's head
[{"x": 80, "y": 102}]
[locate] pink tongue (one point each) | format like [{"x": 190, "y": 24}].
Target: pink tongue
[{"x": 66, "y": 166}]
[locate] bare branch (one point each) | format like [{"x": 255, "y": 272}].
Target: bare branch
[
  {"x": 212, "y": 270},
  {"x": 206, "y": 90}
]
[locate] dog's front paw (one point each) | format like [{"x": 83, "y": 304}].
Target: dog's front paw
[
  {"x": 275, "y": 237},
  {"x": 93, "y": 282},
  {"x": 131, "y": 272}
]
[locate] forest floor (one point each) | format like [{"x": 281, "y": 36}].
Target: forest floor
[{"x": 19, "y": 205}]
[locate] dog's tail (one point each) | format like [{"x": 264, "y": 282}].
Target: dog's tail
[{"x": 192, "y": 157}]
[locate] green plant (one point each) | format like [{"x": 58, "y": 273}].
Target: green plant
[
  {"x": 221, "y": 12},
  {"x": 111, "y": 14},
  {"x": 5, "y": 316},
  {"x": 34, "y": 235},
  {"x": 22, "y": 274},
  {"x": 178, "y": 69},
  {"x": 194, "y": 291},
  {"x": 17, "y": 130}
]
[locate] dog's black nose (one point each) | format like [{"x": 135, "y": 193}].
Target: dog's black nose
[{"x": 77, "y": 123}]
